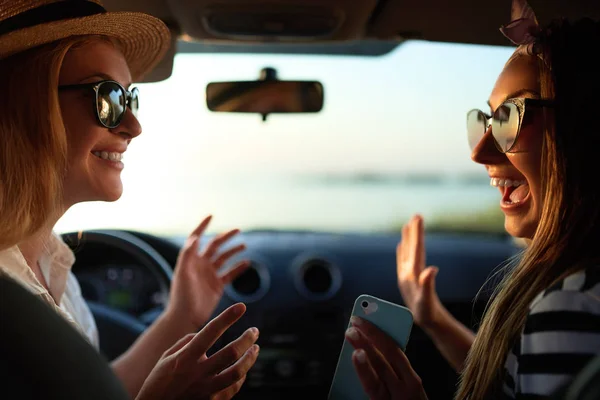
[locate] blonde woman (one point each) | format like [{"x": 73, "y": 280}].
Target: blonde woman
[
  {"x": 539, "y": 145},
  {"x": 67, "y": 117}
]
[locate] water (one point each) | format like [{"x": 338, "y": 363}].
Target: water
[
  {"x": 331, "y": 203},
  {"x": 345, "y": 205}
]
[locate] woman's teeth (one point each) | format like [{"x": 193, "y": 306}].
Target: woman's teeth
[
  {"x": 499, "y": 182},
  {"x": 109, "y": 155}
]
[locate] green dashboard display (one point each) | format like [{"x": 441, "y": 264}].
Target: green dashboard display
[{"x": 120, "y": 298}]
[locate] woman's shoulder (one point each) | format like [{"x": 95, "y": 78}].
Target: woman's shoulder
[
  {"x": 562, "y": 331},
  {"x": 578, "y": 292},
  {"x": 561, "y": 335}
]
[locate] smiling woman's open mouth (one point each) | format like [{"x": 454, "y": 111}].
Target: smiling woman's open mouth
[{"x": 514, "y": 192}]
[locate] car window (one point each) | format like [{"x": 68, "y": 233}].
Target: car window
[{"x": 389, "y": 142}]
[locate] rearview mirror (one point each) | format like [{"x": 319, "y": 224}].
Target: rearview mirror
[{"x": 265, "y": 96}]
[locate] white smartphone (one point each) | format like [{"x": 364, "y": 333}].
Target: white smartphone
[{"x": 392, "y": 319}]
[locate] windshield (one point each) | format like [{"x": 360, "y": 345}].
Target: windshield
[{"x": 389, "y": 142}]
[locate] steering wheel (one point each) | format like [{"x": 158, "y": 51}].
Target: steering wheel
[{"x": 122, "y": 328}]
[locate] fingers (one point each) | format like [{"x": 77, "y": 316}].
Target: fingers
[
  {"x": 410, "y": 252},
  {"x": 237, "y": 371},
  {"x": 222, "y": 259},
  {"x": 427, "y": 279},
  {"x": 421, "y": 241},
  {"x": 378, "y": 362},
  {"x": 199, "y": 231},
  {"x": 401, "y": 253},
  {"x": 231, "y": 353},
  {"x": 235, "y": 388},
  {"x": 214, "y": 245},
  {"x": 204, "y": 339},
  {"x": 402, "y": 248},
  {"x": 385, "y": 345},
  {"x": 191, "y": 246},
  {"x": 374, "y": 388},
  {"x": 234, "y": 272},
  {"x": 417, "y": 246},
  {"x": 228, "y": 393},
  {"x": 383, "y": 377},
  {"x": 192, "y": 243},
  {"x": 179, "y": 345}
]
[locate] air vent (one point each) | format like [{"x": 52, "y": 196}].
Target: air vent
[
  {"x": 317, "y": 279},
  {"x": 248, "y": 283},
  {"x": 251, "y": 285}
]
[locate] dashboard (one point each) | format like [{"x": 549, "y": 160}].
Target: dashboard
[
  {"x": 299, "y": 292},
  {"x": 128, "y": 287},
  {"x": 115, "y": 279}
]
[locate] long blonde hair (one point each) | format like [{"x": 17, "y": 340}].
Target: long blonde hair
[
  {"x": 566, "y": 239},
  {"x": 33, "y": 143}
]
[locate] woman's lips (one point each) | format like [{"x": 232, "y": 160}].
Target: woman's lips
[{"x": 514, "y": 191}]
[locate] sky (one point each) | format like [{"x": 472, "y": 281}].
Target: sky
[{"x": 398, "y": 113}]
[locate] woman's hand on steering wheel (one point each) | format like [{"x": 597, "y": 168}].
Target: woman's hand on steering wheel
[{"x": 198, "y": 281}]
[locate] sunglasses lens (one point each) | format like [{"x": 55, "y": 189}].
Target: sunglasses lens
[
  {"x": 476, "y": 121},
  {"x": 111, "y": 104},
  {"x": 505, "y": 126},
  {"x": 134, "y": 102}
]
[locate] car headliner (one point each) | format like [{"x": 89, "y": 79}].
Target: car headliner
[{"x": 369, "y": 28}]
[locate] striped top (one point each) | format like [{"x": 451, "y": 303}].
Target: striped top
[{"x": 561, "y": 335}]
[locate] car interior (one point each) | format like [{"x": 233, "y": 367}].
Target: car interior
[{"x": 252, "y": 90}]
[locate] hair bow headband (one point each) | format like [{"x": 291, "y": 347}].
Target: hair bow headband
[{"x": 523, "y": 30}]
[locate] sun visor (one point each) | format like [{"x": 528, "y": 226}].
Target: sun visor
[{"x": 275, "y": 21}]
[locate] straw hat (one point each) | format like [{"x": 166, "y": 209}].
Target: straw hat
[{"x": 25, "y": 24}]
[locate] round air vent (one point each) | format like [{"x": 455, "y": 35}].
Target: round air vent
[
  {"x": 251, "y": 285},
  {"x": 317, "y": 279}
]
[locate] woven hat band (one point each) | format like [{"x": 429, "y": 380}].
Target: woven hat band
[{"x": 56, "y": 11}]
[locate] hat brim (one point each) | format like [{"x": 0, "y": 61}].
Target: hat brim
[{"x": 144, "y": 39}]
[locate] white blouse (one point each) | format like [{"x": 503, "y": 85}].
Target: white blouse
[{"x": 65, "y": 294}]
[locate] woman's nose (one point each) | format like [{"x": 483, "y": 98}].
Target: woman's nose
[
  {"x": 129, "y": 127},
  {"x": 486, "y": 152}
]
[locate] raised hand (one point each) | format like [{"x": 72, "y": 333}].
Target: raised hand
[
  {"x": 417, "y": 282},
  {"x": 198, "y": 281}
]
